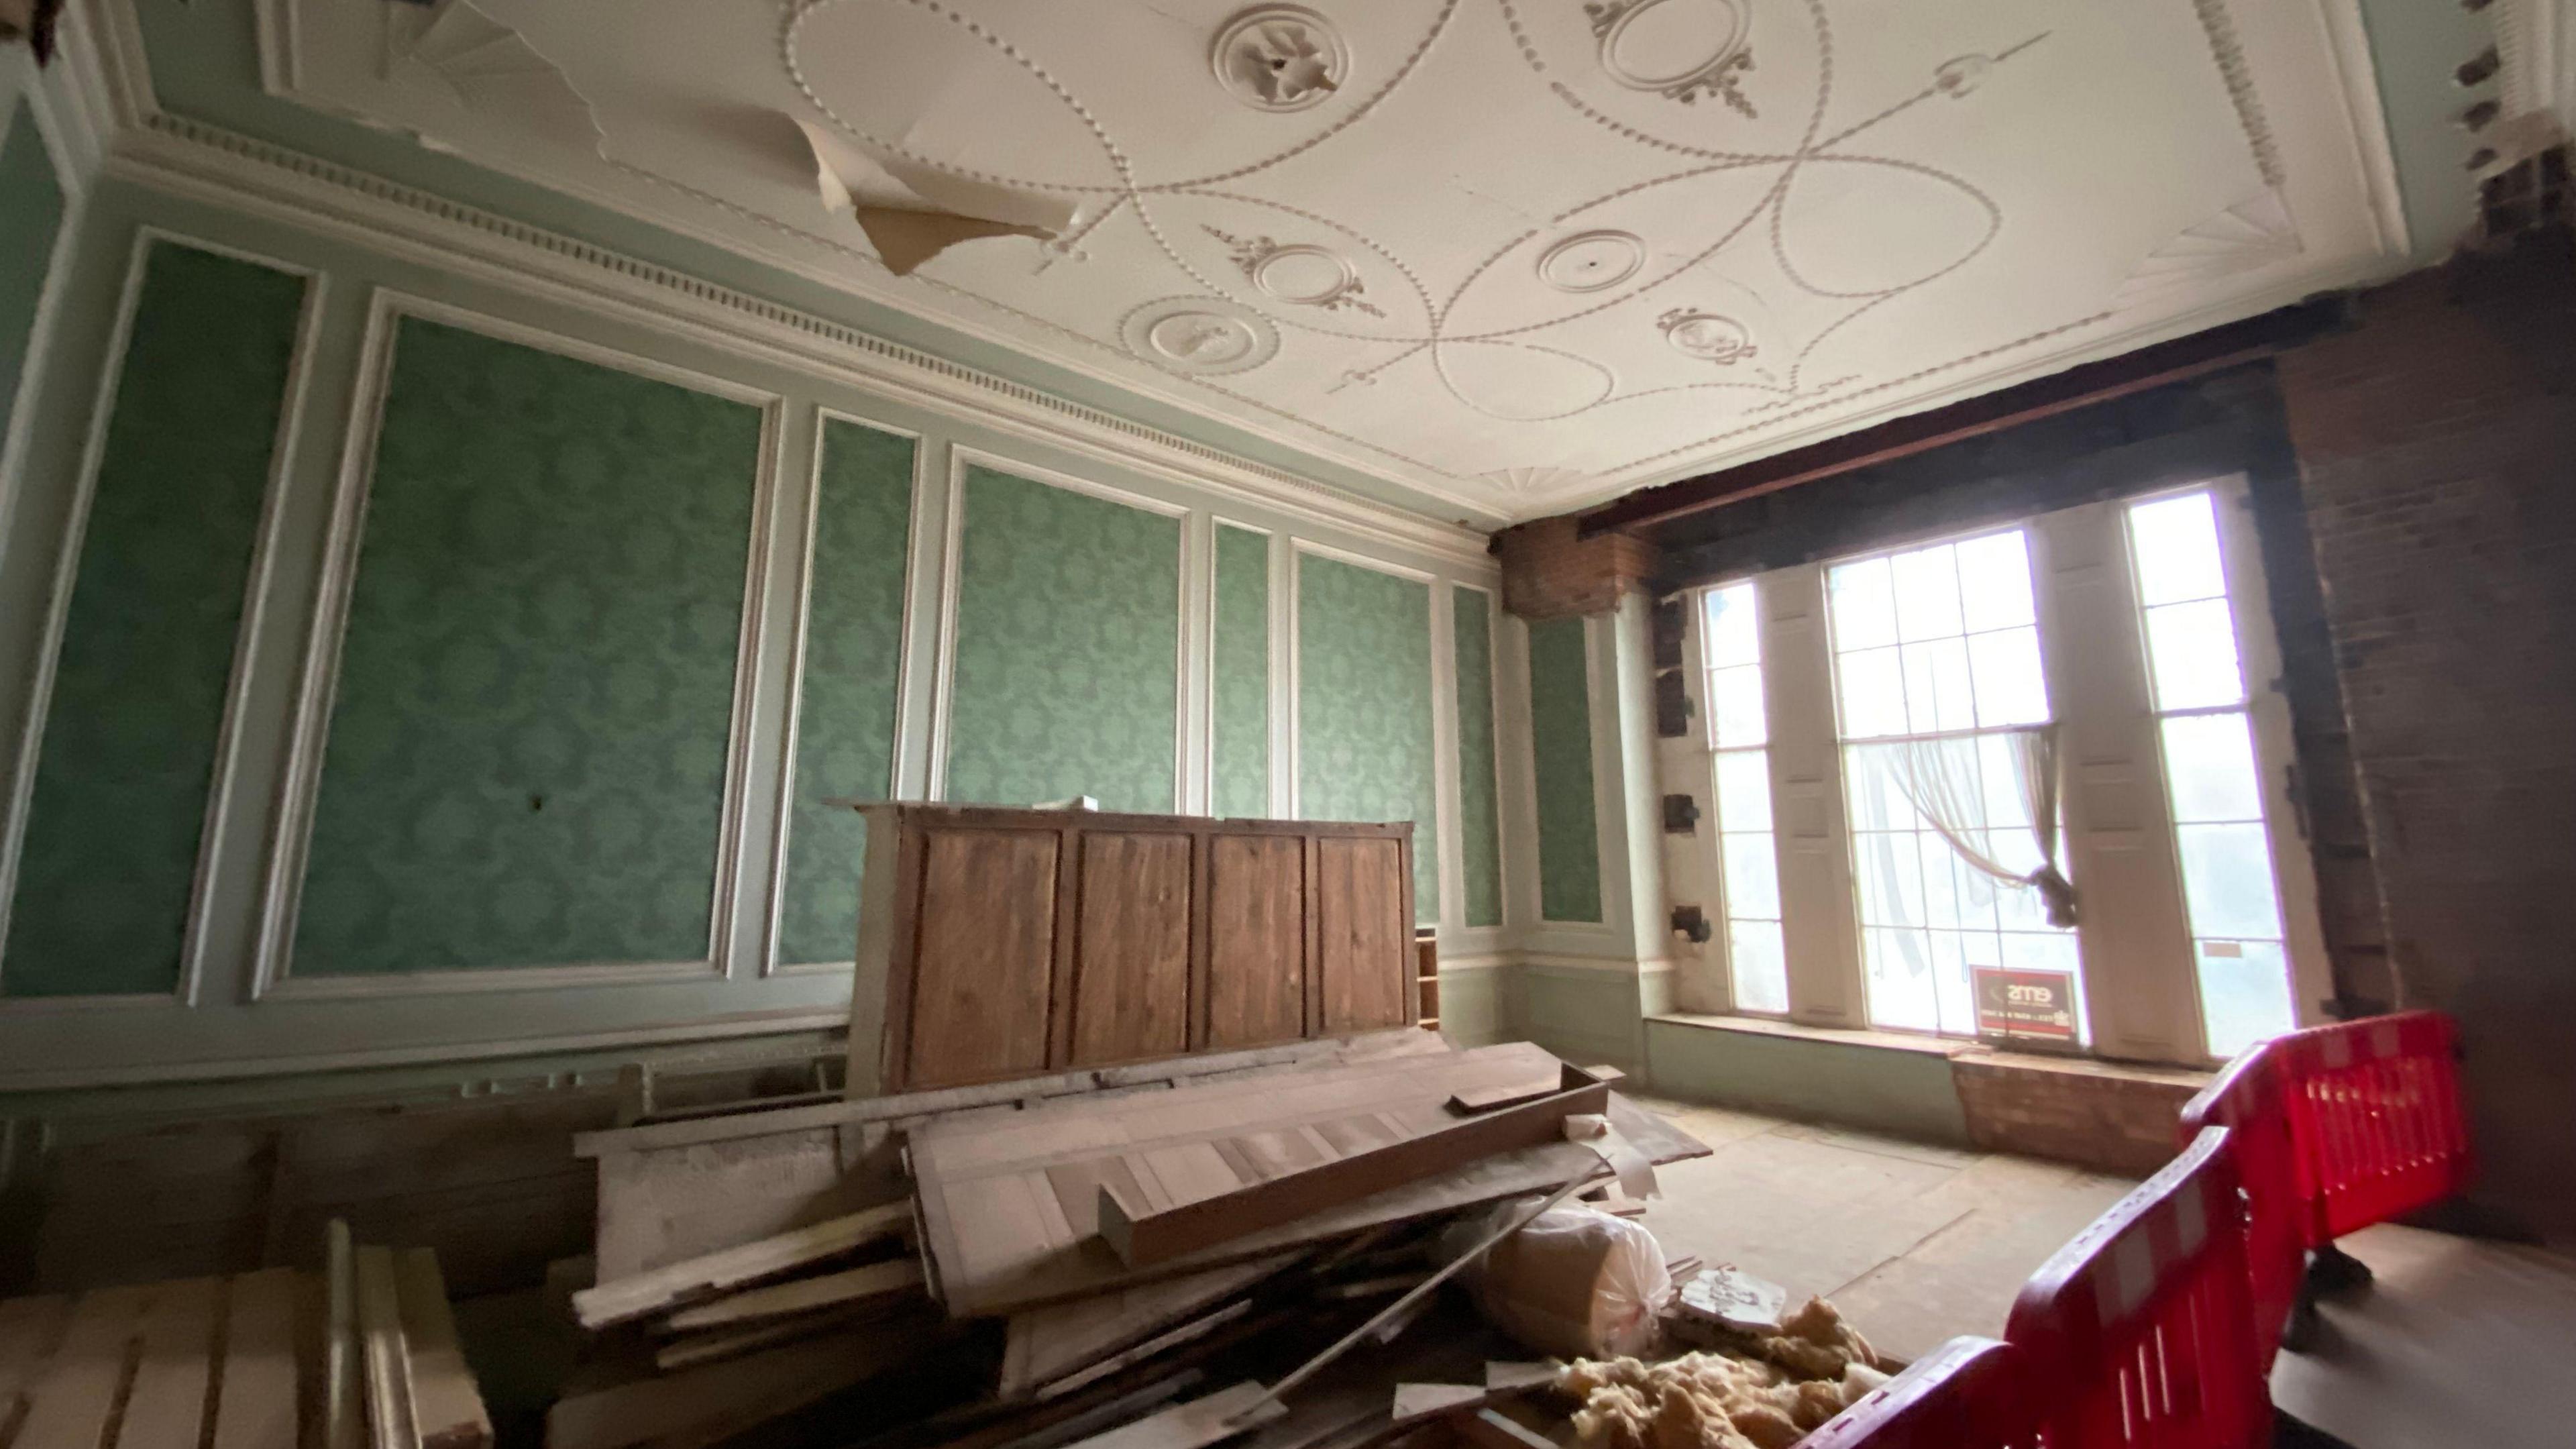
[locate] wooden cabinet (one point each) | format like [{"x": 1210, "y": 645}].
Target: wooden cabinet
[{"x": 1007, "y": 943}]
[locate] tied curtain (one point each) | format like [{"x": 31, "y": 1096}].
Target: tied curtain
[{"x": 1993, "y": 798}]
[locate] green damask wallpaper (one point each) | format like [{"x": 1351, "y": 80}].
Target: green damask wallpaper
[
  {"x": 1242, "y": 672},
  {"x": 110, "y": 855},
  {"x": 1480, "y": 838},
  {"x": 1364, "y": 748},
  {"x": 1067, "y": 674},
  {"x": 528, "y": 742},
  {"x": 31, "y": 215},
  {"x": 1569, "y": 841},
  {"x": 845, "y": 722}
]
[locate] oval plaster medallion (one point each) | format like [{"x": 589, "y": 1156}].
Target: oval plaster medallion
[
  {"x": 1591, "y": 261},
  {"x": 1199, "y": 334},
  {"x": 1308, "y": 276},
  {"x": 1669, "y": 45},
  {"x": 1279, "y": 57},
  {"x": 1707, "y": 336}
]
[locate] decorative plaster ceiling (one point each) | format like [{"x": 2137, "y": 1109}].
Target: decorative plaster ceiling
[{"x": 1520, "y": 254}]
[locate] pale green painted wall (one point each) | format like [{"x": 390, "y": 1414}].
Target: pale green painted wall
[
  {"x": 1569, "y": 841},
  {"x": 845, "y": 721},
  {"x": 1068, "y": 648},
  {"x": 528, "y": 738},
  {"x": 109, "y": 857},
  {"x": 1480, "y": 834},
  {"x": 1364, "y": 706},
  {"x": 31, "y": 217},
  {"x": 1242, "y": 673},
  {"x": 1906, "y": 1093}
]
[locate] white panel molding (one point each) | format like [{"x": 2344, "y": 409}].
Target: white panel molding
[
  {"x": 209, "y": 865},
  {"x": 1489, "y": 937},
  {"x": 961, "y": 457},
  {"x": 2348, "y": 40},
  {"x": 282, "y": 891},
  {"x": 58, "y": 598},
  {"x": 1448, "y": 836},
  {"x": 801, "y": 581},
  {"x": 1194, "y": 729},
  {"x": 190, "y": 158},
  {"x": 1217, "y": 524}
]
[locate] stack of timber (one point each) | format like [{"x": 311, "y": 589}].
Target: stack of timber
[
  {"x": 364, "y": 1356},
  {"x": 1150, "y": 1256}
]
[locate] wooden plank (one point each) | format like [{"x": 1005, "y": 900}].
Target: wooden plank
[
  {"x": 257, "y": 1405},
  {"x": 1421, "y": 1401},
  {"x": 1505, "y": 1375},
  {"x": 1468, "y": 1104},
  {"x": 174, "y": 1350},
  {"x": 987, "y": 913},
  {"x": 1130, "y": 997},
  {"x": 1142, "y": 1237},
  {"x": 662, "y": 1136},
  {"x": 343, "y": 1375},
  {"x": 70, "y": 1399},
  {"x": 30, "y": 1330},
  {"x": 1486, "y": 1429},
  {"x": 803, "y": 1295},
  {"x": 1365, "y": 953},
  {"x": 1256, "y": 918},
  {"x": 449, "y": 1403},
  {"x": 630, "y": 1298},
  {"x": 1046, "y": 1344},
  {"x": 1161, "y": 1343},
  {"x": 732, "y": 1342},
  {"x": 392, "y": 1415},
  {"x": 1193, "y": 1425},
  {"x": 761, "y": 1385},
  {"x": 996, "y": 1248}
]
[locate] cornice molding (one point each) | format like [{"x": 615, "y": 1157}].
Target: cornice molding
[{"x": 154, "y": 148}]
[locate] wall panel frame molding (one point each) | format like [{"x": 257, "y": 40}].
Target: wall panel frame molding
[
  {"x": 64, "y": 579},
  {"x": 317, "y": 694}
]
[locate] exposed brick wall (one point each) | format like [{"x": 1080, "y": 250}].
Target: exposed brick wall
[
  {"x": 2436, "y": 448},
  {"x": 1549, "y": 573},
  {"x": 2113, "y": 1119}
]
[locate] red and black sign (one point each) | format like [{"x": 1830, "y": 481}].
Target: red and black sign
[{"x": 2025, "y": 1003}]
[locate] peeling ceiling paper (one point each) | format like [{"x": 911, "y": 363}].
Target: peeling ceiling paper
[{"x": 912, "y": 213}]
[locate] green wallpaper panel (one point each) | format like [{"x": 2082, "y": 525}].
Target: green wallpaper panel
[
  {"x": 1479, "y": 824},
  {"x": 1242, "y": 670},
  {"x": 1569, "y": 842},
  {"x": 1364, "y": 707},
  {"x": 1067, "y": 675},
  {"x": 110, "y": 854},
  {"x": 31, "y": 215},
  {"x": 527, "y": 750},
  {"x": 845, "y": 721}
]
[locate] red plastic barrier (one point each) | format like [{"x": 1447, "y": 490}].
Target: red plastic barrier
[
  {"x": 2140, "y": 1331},
  {"x": 2251, "y": 1100},
  {"x": 2375, "y": 1112},
  {"x": 1969, "y": 1393}
]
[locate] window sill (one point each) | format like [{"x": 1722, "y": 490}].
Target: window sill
[
  {"x": 1895, "y": 1041},
  {"x": 1973, "y": 1053}
]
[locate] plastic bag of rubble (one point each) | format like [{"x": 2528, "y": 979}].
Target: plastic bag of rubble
[{"x": 1575, "y": 1283}]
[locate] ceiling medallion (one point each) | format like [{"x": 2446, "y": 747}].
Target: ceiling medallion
[
  {"x": 1297, "y": 273},
  {"x": 1591, "y": 261},
  {"x": 1678, "y": 49},
  {"x": 1957, "y": 77},
  {"x": 1205, "y": 335},
  {"x": 1707, "y": 336},
  {"x": 1279, "y": 57}
]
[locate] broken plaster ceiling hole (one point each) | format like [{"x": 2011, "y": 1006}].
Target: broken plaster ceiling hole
[{"x": 1279, "y": 57}]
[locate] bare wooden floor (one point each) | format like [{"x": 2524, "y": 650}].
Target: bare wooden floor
[{"x": 1914, "y": 1243}]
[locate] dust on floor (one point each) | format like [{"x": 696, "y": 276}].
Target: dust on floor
[{"x": 1915, "y": 1243}]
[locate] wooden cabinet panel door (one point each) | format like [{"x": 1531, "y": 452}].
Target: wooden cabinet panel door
[
  {"x": 984, "y": 955},
  {"x": 1256, "y": 978},
  {"x": 1364, "y": 944},
  {"x": 1131, "y": 972}
]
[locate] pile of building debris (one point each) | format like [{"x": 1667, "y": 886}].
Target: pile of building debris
[{"x": 1246, "y": 1245}]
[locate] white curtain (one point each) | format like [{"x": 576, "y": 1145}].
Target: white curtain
[{"x": 1950, "y": 781}]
